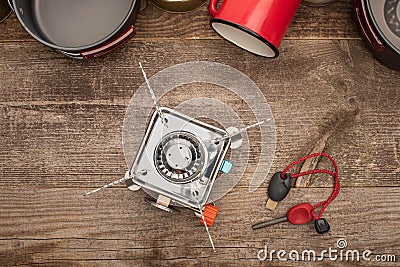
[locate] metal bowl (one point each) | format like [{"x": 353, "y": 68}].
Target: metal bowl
[
  {"x": 178, "y": 6},
  {"x": 318, "y": 3}
]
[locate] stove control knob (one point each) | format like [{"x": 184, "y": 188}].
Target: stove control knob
[
  {"x": 226, "y": 166},
  {"x": 209, "y": 212}
]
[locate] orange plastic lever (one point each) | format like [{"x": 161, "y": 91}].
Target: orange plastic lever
[{"x": 209, "y": 212}]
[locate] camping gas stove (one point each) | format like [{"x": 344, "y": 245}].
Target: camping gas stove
[{"x": 178, "y": 162}]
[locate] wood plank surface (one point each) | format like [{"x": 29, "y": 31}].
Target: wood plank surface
[
  {"x": 61, "y": 227},
  {"x": 61, "y": 135},
  {"x": 76, "y": 117}
]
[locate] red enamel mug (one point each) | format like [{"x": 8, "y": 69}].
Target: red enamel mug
[{"x": 254, "y": 25}]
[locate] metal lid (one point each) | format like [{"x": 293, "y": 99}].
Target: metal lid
[{"x": 385, "y": 15}]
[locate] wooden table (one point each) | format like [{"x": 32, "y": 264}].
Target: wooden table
[{"x": 61, "y": 124}]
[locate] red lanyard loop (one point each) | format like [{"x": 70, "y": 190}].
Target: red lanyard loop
[{"x": 335, "y": 175}]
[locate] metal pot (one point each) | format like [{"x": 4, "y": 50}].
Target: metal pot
[
  {"x": 178, "y": 6},
  {"x": 379, "y": 23},
  {"x": 318, "y": 3},
  {"x": 79, "y": 28}
]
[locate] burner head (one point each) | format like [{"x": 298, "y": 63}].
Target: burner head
[{"x": 180, "y": 157}]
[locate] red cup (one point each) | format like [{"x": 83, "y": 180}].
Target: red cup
[{"x": 254, "y": 25}]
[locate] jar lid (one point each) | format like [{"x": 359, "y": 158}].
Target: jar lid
[{"x": 385, "y": 16}]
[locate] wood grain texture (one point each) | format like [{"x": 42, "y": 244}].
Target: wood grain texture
[
  {"x": 62, "y": 118},
  {"x": 61, "y": 227},
  {"x": 60, "y": 136},
  {"x": 331, "y": 22}
]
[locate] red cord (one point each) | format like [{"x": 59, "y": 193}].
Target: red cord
[{"x": 335, "y": 175}]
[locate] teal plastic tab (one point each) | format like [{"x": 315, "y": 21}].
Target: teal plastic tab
[{"x": 226, "y": 166}]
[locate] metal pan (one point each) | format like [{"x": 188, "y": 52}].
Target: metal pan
[{"x": 79, "y": 28}]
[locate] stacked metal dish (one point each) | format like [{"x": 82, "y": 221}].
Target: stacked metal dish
[
  {"x": 379, "y": 23},
  {"x": 79, "y": 28}
]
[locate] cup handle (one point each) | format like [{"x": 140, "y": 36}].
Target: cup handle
[{"x": 212, "y": 8}]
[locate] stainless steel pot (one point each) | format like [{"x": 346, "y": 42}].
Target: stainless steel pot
[{"x": 79, "y": 28}]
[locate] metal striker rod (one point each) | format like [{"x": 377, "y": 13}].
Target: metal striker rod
[
  {"x": 115, "y": 183},
  {"x": 240, "y": 131},
  {"x": 204, "y": 222},
  {"x": 268, "y": 223},
  {"x": 153, "y": 96}
]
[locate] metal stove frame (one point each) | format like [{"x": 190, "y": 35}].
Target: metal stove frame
[{"x": 192, "y": 193}]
